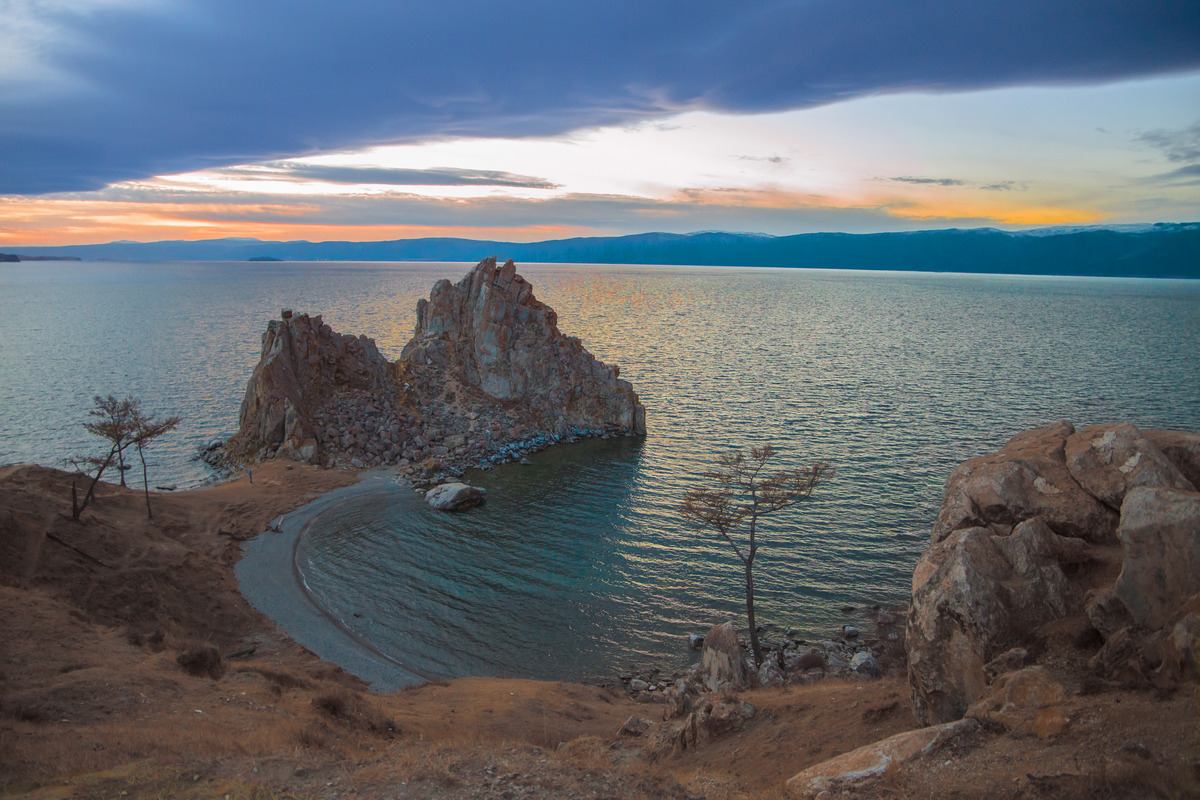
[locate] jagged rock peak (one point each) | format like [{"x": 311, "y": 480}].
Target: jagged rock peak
[
  {"x": 304, "y": 366},
  {"x": 487, "y": 338},
  {"x": 487, "y": 378}
]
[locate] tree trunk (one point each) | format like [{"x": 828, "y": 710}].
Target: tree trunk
[
  {"x": 121, "y": 465},
  {"x": 77, "y": 512},
  {"x": 755, "y": 647},
  {"x": 145, "y": 483}
]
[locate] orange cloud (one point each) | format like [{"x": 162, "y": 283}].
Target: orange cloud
[
  {"x": 1018, "y": 215},
  {"x": 33, "y": 222}
]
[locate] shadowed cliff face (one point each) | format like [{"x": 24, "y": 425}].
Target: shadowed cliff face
[
  {"x": 486, "y": 371},
  {"x": 304, "y": 368}
]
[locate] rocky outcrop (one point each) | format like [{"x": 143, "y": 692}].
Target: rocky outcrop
[
  {"x": 1027, "y": 478},
  {"x": 1109, "y": 460},
  {"x": 487, "y": 339},
  {"x": 487, "y": 377},
  {"x": 1099, "y": 526},
  {"x": 306, "y": 371}
]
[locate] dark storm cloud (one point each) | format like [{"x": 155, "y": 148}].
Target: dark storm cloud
[
  {"x": 929, "y": 181},
  {"x": 127, "y": 90},
  {"x": 438, "y": 176}
]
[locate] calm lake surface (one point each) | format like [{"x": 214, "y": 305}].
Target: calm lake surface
[{"x": 578, "y": 567}]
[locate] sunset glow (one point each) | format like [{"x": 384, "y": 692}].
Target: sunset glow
[{"x": 941, "y": 151}]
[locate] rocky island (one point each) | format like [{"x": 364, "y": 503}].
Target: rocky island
[{"x": 487, "y": 377}]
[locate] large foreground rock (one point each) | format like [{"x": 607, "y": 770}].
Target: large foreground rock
[
  {"x": 1021, "y": 541},
  {"x": 1160, "y": 534},
  {"x": 1027, "y": 478},
  {"x": 976, "y": 595}
]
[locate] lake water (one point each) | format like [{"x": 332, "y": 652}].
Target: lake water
[{"x": 578, "y": 566}]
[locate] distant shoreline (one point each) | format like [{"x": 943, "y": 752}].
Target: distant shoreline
[
  {"x": 1159, "y": 250},
  {"x": 13, "y": 258}
]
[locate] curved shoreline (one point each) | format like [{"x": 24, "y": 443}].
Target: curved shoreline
[{"x": 271, "y": 582}]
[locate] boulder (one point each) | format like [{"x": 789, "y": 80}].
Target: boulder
[
  {"x": 710, "y": 719},
  {"x": 1027, "y": 478},
  {"x": 454, "y": 496},
  {"x": 870, "y": 761},
  {"x": 769, "y": 674},
  {"x": 1109, "y": 460},
  {"x": 722, "y": 663},
  {"x": 634, "y": 727},
  {"x": 807, "y": 658},
  {"x": 1160, "y": 536},
  {"x": 975, "y": 595},
  {"x": 1182, "y": 448},
  {"x": 866, "y": 665},
  {"x": 1026, "y": 703}
]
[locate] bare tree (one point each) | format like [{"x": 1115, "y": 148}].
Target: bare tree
[
  {"x": 741, "y": 491},
  {"x": 114, "y": 420},
  {"x": 124, "y": 425},
  {"x": 146, "y": 430}
]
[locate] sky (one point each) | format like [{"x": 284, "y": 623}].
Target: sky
[{"x": 149, "y": 120}]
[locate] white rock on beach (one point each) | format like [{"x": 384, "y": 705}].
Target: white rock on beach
[{"x": 454, "y": 496}]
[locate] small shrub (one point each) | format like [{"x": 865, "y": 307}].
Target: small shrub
[
  {"x": 201, "y": 660},
  {"x": 353, "y": 710}
]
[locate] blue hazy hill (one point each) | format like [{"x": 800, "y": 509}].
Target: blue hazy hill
[{"x": 1161, "y": 250}]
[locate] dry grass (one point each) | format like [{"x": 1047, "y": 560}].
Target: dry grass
[
  {"x": 145, "y": 782},
  {"x": 441, "y": 763},
  {"x": 356, "y": 711}
]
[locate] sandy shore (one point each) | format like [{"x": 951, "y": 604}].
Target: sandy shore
[
  {"x": 132, "y": 666},
  {"x": 270, "y": 581}
]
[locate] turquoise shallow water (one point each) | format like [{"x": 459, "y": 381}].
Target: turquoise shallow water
[{"x": 578, "y": 566}]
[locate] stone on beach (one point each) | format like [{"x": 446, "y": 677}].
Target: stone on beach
[
  {"x": 454, "y": 496},
  {"x": 722, "y": 663}
]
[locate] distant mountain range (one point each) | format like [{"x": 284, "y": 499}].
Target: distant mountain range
[{"x": 1161, "y": 250}]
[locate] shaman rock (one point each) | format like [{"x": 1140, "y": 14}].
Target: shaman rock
[
  {"x": 487, "y": 378},
  {"x": 487, "y": 339}
]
